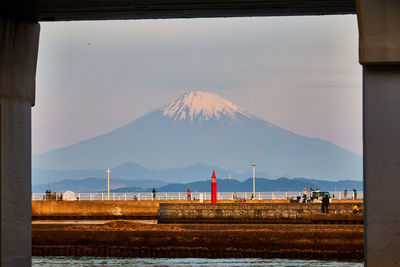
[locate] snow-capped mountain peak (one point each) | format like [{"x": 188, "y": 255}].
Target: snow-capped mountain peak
[{"x": 202, "y": 106}]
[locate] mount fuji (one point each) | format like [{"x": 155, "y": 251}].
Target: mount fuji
[{"x": 204, "y": 128}]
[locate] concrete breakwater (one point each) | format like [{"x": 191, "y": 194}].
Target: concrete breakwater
[
  {"x": 302, "y": 213},
  {"x": 104, "y": 210},
  {"x": 94, "y": 210},
  {"x": 127, "y": 239},
  {"x": 208, "y": 230},
  {"x": 188, "y": 211}
]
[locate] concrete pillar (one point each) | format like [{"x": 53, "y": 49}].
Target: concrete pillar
[
  {"x": 379, "y": 24},
  {"x": 382, "y": 165},
  {"x": 18, "y": 56}
]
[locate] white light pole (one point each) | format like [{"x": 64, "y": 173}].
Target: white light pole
[
  {"x": 108, "y": 187},
  {"x": 254, "y": 181}
]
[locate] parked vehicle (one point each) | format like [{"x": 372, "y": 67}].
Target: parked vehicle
[{"x": 317, "y": 196}]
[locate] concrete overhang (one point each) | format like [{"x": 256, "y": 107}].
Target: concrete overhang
[{"x": 66, "y": 10}]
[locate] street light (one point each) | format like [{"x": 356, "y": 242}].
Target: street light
[
  {"x": 108, "y": 179},
  {"x": 254, "y": 181}
]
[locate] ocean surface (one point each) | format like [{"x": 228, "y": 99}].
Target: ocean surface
[{"x": 186, "y": 262}]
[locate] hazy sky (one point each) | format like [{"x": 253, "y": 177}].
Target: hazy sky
[{"x": 300, "y": 73}]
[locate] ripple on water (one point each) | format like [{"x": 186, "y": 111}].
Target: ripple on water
[{"x": 185, "y": 262}]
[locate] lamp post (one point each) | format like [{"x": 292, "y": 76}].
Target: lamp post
[
  {"x": 108, "y": 180},
  {"x": 254, "y": 181}
]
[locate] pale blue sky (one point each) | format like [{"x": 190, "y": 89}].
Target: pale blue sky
[{"x": 300, "y": 73}]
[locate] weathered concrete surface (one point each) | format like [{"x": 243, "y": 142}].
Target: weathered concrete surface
[
  {"x": 250, "y": 210},
  {"x": 382, "y": 164},
  {"x": 18, "y": 53},
  {"x": 144, "y": 209},
  {"x": 148, "y": 209},
  {"x": 233, "y": 241},
  {"x": 253, "y": 213},
  {"x": 19, "y": 42},
  {"x": 379, "y": 24},
  {"x": 15, "y": 177},
  {"x": 43, "y": 10},
  {"x": 94, "y": 209}
]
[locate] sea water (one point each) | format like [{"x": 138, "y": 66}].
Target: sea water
[{"x": 183, "y": 262}]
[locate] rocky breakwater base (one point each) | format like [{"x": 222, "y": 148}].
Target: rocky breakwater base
[{"x": 132, "y": 239}]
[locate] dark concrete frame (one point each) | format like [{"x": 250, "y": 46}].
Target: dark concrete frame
[
  {"x": 379, "y": 24},
  {"x": 62, "y": 10}
]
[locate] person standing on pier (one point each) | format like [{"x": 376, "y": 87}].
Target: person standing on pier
[
  {"x": 325, "y": 204},
  {"x": 345, "y": 194},
  {"x": 304, "y": 195},
  {"x": 354, "y": 193},
  {"x": 154, "y": 193},
  {"x": 189, "y": 195}
]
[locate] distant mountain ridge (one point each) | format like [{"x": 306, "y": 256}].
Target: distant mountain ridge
[
  {"x": 134, "y": 171},
  {"x": 93, "y": 185},
  {"x": 203, "y": 128},
  {"x": 264, "y": 185}
]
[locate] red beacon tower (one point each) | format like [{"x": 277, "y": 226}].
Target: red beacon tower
[{"x": 213, "y": 188}]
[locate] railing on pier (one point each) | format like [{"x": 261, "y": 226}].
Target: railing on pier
[{"x": 195, "y": 196}]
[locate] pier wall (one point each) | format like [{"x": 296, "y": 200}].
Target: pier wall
[
  {"x": 118, "y": 209},
  {"x": 94, "y": 209},
  {"x": 257, "y": 213},
  {"x": 173, "y": 211}
]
